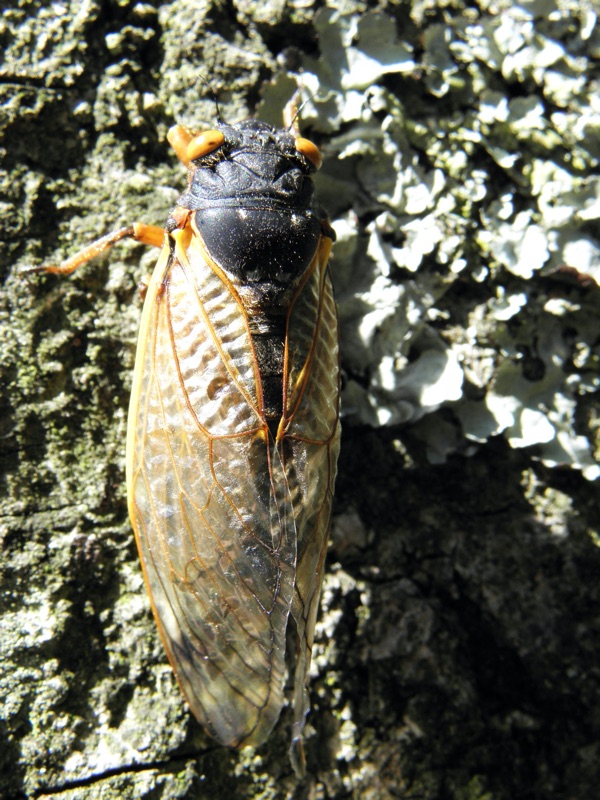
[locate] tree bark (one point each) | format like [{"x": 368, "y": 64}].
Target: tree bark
[{"x": 457, "y": 648}]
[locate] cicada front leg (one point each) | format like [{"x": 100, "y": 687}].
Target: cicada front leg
[{"x": 145, "y": 234}]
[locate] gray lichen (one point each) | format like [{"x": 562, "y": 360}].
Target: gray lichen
[{"x": 492, "y": 188}]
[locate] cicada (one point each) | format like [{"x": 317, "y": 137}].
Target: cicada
[{"x": 233, "y": 430}]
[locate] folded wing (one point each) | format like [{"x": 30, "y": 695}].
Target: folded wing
[{"x": 209, "y": 501}]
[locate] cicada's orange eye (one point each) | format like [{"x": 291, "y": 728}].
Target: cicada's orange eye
[
  {"x": 310, "y": 151},
  {"x": 203, "y": 144}
]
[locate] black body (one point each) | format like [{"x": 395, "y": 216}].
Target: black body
[{"x": 255, "y": 209}]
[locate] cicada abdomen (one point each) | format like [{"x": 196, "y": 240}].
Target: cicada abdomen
[{"x": 233, "y": 431}]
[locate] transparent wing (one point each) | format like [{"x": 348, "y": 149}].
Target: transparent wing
[
  {"x": 310, "y": 452},
  {"x": 209, "y": 500}
]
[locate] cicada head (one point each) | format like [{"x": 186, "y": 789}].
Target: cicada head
[{"x": 251, "y": 162}]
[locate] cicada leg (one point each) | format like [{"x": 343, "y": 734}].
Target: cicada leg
[{"x": 146, "y": 234}]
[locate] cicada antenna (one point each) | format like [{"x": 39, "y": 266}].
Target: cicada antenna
[
  {"x": 214, "y": 97},
  {"x": 292, "y": 111}
]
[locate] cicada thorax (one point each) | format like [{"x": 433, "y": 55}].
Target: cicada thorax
[{"x": 234, "y": 431}]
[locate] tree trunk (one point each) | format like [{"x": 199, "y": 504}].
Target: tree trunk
[{"x": 456, "y": 654}]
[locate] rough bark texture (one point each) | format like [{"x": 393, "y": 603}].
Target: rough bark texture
[{"x": 457, "y": 656}]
